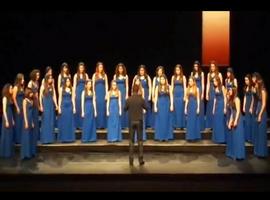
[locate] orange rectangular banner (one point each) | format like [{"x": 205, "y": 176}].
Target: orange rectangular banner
[{"x": 216, "y": 37}]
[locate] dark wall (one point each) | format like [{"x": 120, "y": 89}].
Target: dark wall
[
  {"x": 250, "y": 44},
  {"x": 38, "y": 39}
]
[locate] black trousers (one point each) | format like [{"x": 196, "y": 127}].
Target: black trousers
[{"x": 136, "y": 126}]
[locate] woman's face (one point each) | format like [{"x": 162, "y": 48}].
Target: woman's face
[
  {"x": 247, "y": 81},
  {"x": 142, "y": 71},
  {"x": 229, "y": 74},
  {"x": 190, "y": 82},
  {"x": 196, "y": 67},
  {"x": 162, "y": 80},
  {"x": 81, "y": 69},
  {"x": 120, "y": 69},
  {"x": 10, "y": 90},
  {"x": 114, "y": 85},
  {"x": 65, "y": 69},
  {"x": 254, "y": 79},
  {"x": 49, "y": 72},
  {"x": 160, "y": 72},
  {"x": 213, "y": 67},
  {"x": 22, "y": 81},
  {"x": 88, "y": 85},
  {"x": 177, "y": 70},
  {"x": 100, "y": 68},
  {"x": 37, "y": 76}
]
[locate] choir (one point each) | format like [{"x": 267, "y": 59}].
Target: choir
[{"x": 80, "y": 102}]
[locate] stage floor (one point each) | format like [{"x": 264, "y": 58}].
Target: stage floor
[{"x": 117, "y": 163}]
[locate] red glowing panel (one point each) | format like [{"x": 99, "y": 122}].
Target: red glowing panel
[{"x": 216, "y": 37}]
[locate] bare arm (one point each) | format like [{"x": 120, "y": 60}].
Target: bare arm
[
  {"x": 133, "y": 81},
  {"x": 186, "y": 104},
  {"x": 127, "y": 88},
  {"x": 171, "y": 98},
  {"x": 74, "y": 83},
  {"x": 14, "y": 95},
  {"x": 149, "y": 86},
  {"x": 94, "y": 104},
  {"x": 207, "y": 86},
  {"x": 60, "y": 100},
  {"x": 55, "y": 98},
  {"x": 221, "y": 78},
  {"x": 26, "y": 124},
  {"x": 106, "y": 85},
  {"x": 244, "y": 103},
  {"x": 119, "y": 103},
  {"x": 5, "y": 112},
  {"x": 41, "y": 97},
  {"x": 238, "y": 108},
  {"x": 82, "y": 102},
  {"x": 235, "y": 83},
  {"x": 225, "y": 99},
  {"x": 59, "y": 83},
  {"x": 172, "y": 82},
  {"x": 185, "y": 87},
  {"x": 155, "y": 100},
  {"x": 198, "y": 101},
  {"x": 203, "y": 86},
  {"x": 94, "y": 82},
  {"x": 154, "y": 90},
  {"x": 264, "y": 96},
  {"x": 73, "y": 96},
  {"x": 108, "y": 104}
]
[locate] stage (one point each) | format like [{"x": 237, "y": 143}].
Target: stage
[{"x": 177, "y": 165}]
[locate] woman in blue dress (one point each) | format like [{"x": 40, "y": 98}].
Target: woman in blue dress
[
  {"x": 17, "y": 96},
  {"x": 89, "y": 113},
  {"x": 230, "y": 81},
  {"x": 100, "y": 85},
  {"x": 146, "y": 83},
  {"x": 6, "y": 140},
  {"x": 156, "y": 80},
  {"x": 247, "y": 109},
  {"x": 28, "y": 147},
  {"x": 34, "y": 85},
  {"x": 121, "y": 79},
  {"x": 66, "y": 112},
  {"x": 137, "y": 81},
  {"x": 254, "y": 103},
  {"x": 48, "y": 72},
  {"x": 210, "y": 93},
  {"x": 79, "y": 80},
  {"x": 163, "y": 106},
  {"x": 62, "y": 76},
  {"x": 114, "y": 111},
  {"x": 192, "y": 110},
  {"x": 219, "y": 110},
  {"x": 178, "y": 84},
  {"x": 48, "y": 105},
  {"x": 260, "y": 139},
  {"x": 235, "y": 148},
  {"x": 198, "y": 75}
]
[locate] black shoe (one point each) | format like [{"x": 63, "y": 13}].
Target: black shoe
[
  {"x": 141, "y": 162},
  {"x": 131, "y": 162}
]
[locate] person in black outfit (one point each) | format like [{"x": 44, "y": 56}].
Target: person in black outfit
[{"x": 135, "y": 105}]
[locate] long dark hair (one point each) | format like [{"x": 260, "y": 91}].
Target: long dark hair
[
  {"x": 231, "y": 98},
  {"x": 158, "y": 68},
  {"x": 70, "y": 87},
  {"x": 216, "y": 67},
  {"x": 145, "y": 71},
  {"x": 47, "y": 86},
  {"x": 261, "y": 87},
  {"x": 27, "y": 93},
  {"x": 181, "y": 72},
  {"x": 33, "y": 74},
  {"x": 219, "y": 86},
  {"x": 18, "y": 80},
  {"x": 199, "y": 68},
  {"x": 250, "y": 83},
  {"x": 167, "y": 88},
  {"x": 117, "y": 69},
  {"x": 64, "y": 65},
  {"x": 103, "y": 72},
  {"x": 85, "y": 88},
  {"x": 84, "y": 72},
  {"x": 5, "y": 92}
]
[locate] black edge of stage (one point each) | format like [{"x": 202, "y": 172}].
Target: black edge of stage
[{"x": 135, "y": 182}]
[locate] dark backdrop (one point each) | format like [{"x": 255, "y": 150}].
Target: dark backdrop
[{"x": 36, "y": 39}]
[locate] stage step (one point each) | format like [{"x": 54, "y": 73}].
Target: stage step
[
  {"x": 203, "y": 146},
  {"x": 178, "y": 134}
]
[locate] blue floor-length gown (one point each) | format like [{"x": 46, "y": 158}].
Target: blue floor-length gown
[
  {"x": 100, "y": 92},
  {"x": 178, "y": 113},
  {"x": 89, "y": 121},
  {"x": 78, "y": 115},
  {"x": 202, "y": 105},
  {"x": 121, "y": 83},
  {"x": 48, "y": 119},
  {"x": 66, "y": 119},
  {"x": 7, "y": 134},
  {"x": 209, "y": 107},
  {"x": 114, "y": 121},
  {"x": 248, "y": 117},
  {"x": 18, "y": 118}
]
